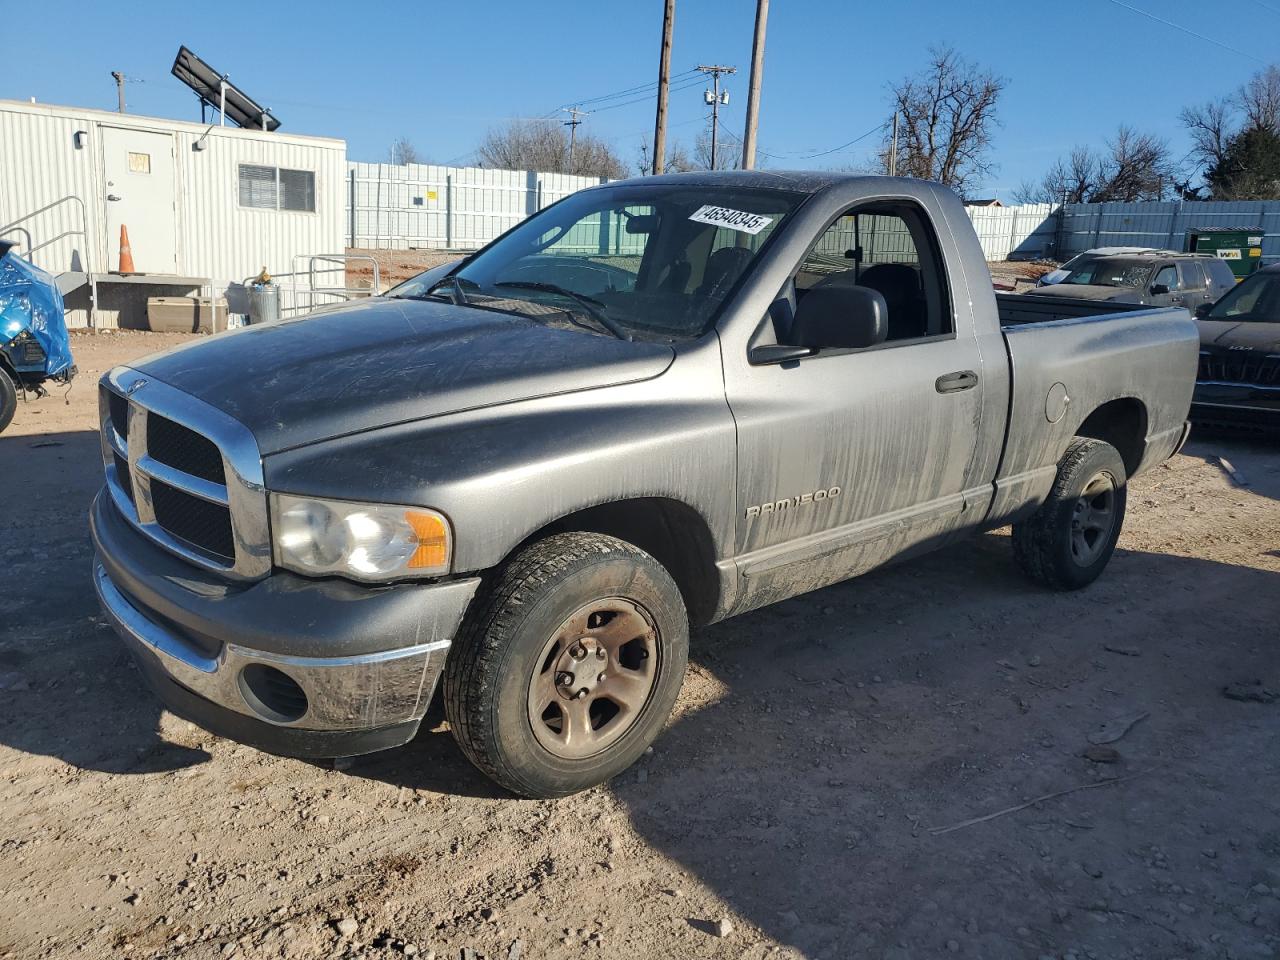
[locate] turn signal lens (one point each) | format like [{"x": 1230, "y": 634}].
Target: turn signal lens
[{"x": 432, "y": 534}]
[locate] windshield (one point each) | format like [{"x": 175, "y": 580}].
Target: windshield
[
  {"x": 1254, "y": 300},
  {"x": 633, "y": 261},
  {"x": 1110, "y": 272}
]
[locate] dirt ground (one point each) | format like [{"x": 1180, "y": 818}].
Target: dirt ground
[
  {"x": 802, "y": 793},
  {"x": 393, "y": 265}
]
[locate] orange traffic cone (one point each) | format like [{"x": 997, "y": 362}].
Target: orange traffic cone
[{"x": 126, "y": 253}]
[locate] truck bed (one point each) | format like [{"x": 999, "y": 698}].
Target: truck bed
[
  {"x": 1018, "y": 308},
  {"x": 1144, "y": 358}
]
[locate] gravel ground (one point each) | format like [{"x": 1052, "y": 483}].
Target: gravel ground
[{"x": 797, "y": 806}]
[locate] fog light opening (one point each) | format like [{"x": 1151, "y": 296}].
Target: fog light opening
[{"x": 272, "y": 693}]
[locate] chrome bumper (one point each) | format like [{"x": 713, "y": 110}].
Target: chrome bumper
[{"x": 363, "y": 692}]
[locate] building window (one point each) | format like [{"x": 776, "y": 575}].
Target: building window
[
  {"x": 139, "y": 163},
  {"x": 274, "y": 188}
]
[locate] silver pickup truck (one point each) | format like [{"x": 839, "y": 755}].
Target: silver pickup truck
[{"x": 657, "y": 403}]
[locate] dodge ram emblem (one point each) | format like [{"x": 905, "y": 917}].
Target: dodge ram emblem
[{"x": 778, "y": 506}]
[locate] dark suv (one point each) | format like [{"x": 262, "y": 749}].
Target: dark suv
[
  {"x": 1159, "y": 279},
  {"x": 1239, "y": 380}
]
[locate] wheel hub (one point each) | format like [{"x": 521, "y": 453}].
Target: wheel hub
[
  {"x": 1093, "y": 519},
  {"x": 594, "y": 678},
  {"x": 581, "y": 668}
]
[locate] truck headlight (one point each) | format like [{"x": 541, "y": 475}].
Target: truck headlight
[{"x": 363, "y": 541}]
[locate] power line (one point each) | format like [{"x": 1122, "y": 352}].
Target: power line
[
  {"x": 675, "y": 88},
  {"x": 636, "y": 89},
  {"x": 1187, "y": 30},
  {"x": 813, "y": 156},
  {"x": 1269, "y": 8}
]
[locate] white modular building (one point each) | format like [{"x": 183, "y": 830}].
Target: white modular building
[{"x": 205, "y": 206}]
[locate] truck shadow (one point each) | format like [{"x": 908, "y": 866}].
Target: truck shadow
[
  {"x": 819, "y": 741},
  {"x": 67, "y": 687}
]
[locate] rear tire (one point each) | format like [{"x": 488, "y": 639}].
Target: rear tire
[
  {"x": 569, "y": 666},
  {"x": 1067, "y": 543},
  {"x": 8, "y": 399}
]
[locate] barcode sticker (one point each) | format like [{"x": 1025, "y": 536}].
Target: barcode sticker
[{"x": 731, "y": 219}]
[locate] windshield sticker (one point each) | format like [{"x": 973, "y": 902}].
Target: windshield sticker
[{"x": 731, "y": 219}]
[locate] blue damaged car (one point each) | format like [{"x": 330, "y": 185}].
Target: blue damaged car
[{"x": 34, "y": 346}]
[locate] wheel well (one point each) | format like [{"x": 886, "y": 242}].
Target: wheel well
[
  {"x": 1123, "y": 424},
  {"x": 671, "y": 532}
]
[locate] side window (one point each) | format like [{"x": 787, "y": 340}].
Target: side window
[
  {"x": 1190, "y": 275},
  {"x": 1221, "y": 273},
  {"x": 1167, "y": 276},
  {"x": 893, "y": 250}
]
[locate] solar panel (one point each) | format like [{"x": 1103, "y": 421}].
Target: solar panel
[{"x": 242, "y": 110}]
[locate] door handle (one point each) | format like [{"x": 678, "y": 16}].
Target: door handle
[
  {"x": 112, "y": 196},
  {"x": 955, "y": 382}
]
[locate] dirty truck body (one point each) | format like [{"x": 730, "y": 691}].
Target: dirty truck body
[{"x": 306, "y": 525}]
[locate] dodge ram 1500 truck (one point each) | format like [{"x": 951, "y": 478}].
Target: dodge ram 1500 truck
[{"x": 656, "y": 403}]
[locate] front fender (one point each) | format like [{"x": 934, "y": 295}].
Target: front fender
[{"x": 502, "y": 473}]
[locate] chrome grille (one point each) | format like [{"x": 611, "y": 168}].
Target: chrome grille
[
  {"x": 176, "y": 446},
  {"x": 185, "y": 474}
]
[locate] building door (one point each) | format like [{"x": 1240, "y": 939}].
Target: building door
[{"x": 139, "y": 179}]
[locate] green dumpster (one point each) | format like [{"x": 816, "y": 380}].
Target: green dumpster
[{"x": 1241, "y": 247}]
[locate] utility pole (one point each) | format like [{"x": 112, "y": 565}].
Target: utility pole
[
  {"x": 893, "y": 148},
  {"x": 753, "y": 88},
  {"x": 714, "y": 99},
  {"x": 575, "y": 118},
  {"x": 664, "y": 74},
  {"x": 119, "y": 78}
]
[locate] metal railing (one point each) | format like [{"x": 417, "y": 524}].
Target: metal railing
[
  {"x": 308, "y": 296},
  {"x": 83, "y": 232}
]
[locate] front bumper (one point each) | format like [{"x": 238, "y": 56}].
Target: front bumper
[
  {"x": 359, "y": 663},
  {"x": 1247, "y": 406}
]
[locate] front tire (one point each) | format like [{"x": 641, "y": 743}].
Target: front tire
[
  {"x": 569, "y": 667},
  {"x": 8, "y": 399},
  {"x": 1067, "y": 543}
]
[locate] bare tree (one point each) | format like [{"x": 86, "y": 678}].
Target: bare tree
[
  {"x": 946, "y": 117},
  {"x": 1137, "y": 167},
  {"x": 402, "y": 150},
  {"x": 1071, "y": 179},
  {"x": 678, "y": 160},
  {"x": 1259, "y": 99},
  {"x": 1134, "y": 166},
  {"x": 545, "y": 145},
  {"x": 1210, "y": 128},
  {"x": 728, "y": 153},
  {"x": 1231, "y": 134}
]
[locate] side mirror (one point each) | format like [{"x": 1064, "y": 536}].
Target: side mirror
[
  {"x": 1202, "y": 311},
  {"x": 840, "y": 317},
  {"x": 1159, "y": 289}
]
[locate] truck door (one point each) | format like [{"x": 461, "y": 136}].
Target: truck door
[{"x": 850, "y": 457}]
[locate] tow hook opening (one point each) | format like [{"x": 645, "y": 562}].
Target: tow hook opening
[{"x": 272, "y": 693}]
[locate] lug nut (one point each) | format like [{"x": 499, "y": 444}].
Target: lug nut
[
  {"x": 600, "y": 653},
  {"x": 581, "y": 694},
  {"x": 600, "y": 678},
  {"x": 564, "y": 679},
  {"x": 577, "y": 652}
]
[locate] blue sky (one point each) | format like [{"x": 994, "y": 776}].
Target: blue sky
[{"x": 443, "y": 73}]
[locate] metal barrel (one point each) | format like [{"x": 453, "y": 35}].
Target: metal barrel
[{"x": 264, "y": 303}]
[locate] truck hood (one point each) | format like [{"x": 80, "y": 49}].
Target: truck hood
[
  {"x": 1246, "y": 336},
  {"x": 1085, "y": 291},
  {"x": 391, "y": 361}
]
